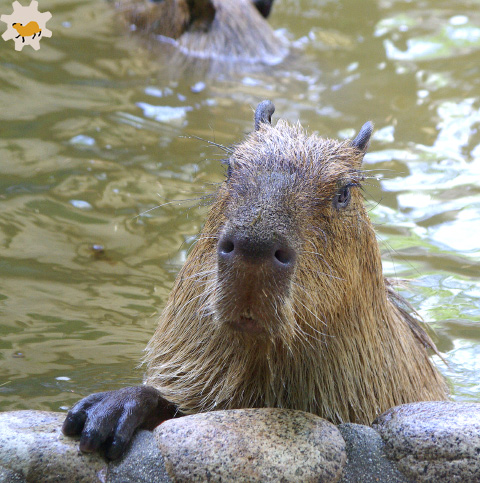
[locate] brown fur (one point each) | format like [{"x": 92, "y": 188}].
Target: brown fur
[
  {"x": 228, "y": 30},
  {"x": 335, "y": 338}
]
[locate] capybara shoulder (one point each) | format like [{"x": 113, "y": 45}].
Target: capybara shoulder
[{"x": 282, "y": 301}]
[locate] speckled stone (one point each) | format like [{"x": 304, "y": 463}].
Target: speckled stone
[
  {"x": 34, "y": 450},
  {"x": 252, "y": 445},
  {"x": 8, "y": 476},
  {"x": 434, "y": 441},
  {"x": 143, "y": 463},
  {"x": 367, "y": 461}
]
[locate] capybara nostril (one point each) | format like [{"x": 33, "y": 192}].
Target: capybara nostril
[{"x": 285, "y": 256}]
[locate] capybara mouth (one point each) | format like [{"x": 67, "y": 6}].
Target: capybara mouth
[{"x": 247, "y": 325}]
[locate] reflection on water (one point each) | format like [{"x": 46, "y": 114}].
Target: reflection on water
[{"x": 95, "y": 131}]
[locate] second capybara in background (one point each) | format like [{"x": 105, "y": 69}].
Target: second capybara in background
[
  {"x": 281, "y": 303},
  {"x": 223, "y": 30}
]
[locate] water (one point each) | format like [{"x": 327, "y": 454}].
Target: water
[{"x": 94, "y": 131}]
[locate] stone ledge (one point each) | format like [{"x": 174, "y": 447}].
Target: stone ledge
[
  {"x": 248, "y": 445},
  {"x": 429, "y": 442}
]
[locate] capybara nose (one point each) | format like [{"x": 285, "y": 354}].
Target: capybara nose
[{"x": 275, "y": 253}]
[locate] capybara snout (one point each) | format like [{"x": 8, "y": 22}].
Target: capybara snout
[
  {"x": 275, "y": 252},
  {"x": 255, "y": 272}
]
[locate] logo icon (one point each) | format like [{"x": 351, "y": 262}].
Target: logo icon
[{"x": 26, "y": 25}]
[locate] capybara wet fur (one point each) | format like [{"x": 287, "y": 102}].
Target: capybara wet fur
[
  {"x": 224, "y": 30},
  {"x": 282, "y": 301}
]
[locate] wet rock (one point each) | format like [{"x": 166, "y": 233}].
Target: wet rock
[
  {"x": 367, "y": 461},
  {"x": 253, "y": 445},
  {"x": 434, "y": 441},
  {"x": 33, "y": 449}
]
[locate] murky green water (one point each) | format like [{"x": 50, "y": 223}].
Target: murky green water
[{"x": 94, "y": 131}]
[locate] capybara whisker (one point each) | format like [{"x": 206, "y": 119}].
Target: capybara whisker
[
  {"x": 165, "y": 204},
  {"x": 207, "y": 238},
  {"x": 226, "y": 149},
  {"x": 316, "y": 317},
  {"x": 201, "y": 276},
  {"x": 303, "y": 337}
]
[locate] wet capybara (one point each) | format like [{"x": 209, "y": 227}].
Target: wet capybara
[
  {"x": 281, "y": 303},
  {"x": 224, "y": 30}
]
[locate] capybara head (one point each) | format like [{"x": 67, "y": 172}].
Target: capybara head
[
  {"x": 282, "y": 301},
  {"x": 293, "y": 225},
  {"x": 228, "y": 30}
]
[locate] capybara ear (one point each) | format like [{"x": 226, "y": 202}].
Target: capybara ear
[
  {"x": 263, "y": 6},
  {"x": 363, "y": 137},
  {"x": 263, "y": 113},
  {"x": 202, "y": 13}
]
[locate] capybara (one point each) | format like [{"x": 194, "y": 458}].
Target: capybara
[
  {"x": 224, "y": 30},
  {"x": 29, "y": 30},
  {"x": 281, "y": 303}
]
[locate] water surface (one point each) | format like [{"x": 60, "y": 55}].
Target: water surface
[{"x": 95, "y": 130}]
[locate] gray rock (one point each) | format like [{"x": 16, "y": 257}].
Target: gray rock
[
  {"x": 252, "y": 445},
  {"x": 434, "y": 441},
  {"x": 242, "y": 445},
  {"x": 367, "y": 461},
  {"x": 7, "y": 476},
  {"x": 34, "y": 450},
  {"x": 143, "y": 463}
]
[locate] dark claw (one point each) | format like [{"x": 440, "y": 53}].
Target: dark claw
[
  {"x": 117, "y": 448},
  {"x": 73, "y": 423},
  {"x": 76, "y": 417},
  {"x": 91, "y": 441}
]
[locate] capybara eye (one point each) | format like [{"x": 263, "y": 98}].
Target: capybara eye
[{"x": 342, "y": 198}]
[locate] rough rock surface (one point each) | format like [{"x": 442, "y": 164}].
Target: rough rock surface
[
  {"x": 143, "y": 463},
  {"x": 367, "y": 461},
  {"x": 437, "y": 442},
  {"x": 33, "y": 449},
  {"x": 434, "y": 441},
  {"x": 242, "y": 445},
  {"x": 252, "y": 445}
]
